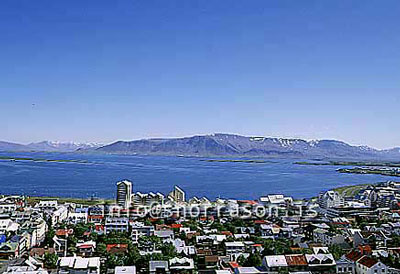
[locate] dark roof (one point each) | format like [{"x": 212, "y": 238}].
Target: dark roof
[
  {"x": 212, "y": 259},
  {"x": 354, "y": 255},
  {"x": 296, "y": 260},
  {"x": 368, "y": 261}
]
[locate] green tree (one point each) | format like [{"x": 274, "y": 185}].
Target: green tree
[
  {"x": 168, "y": 250},
  {"x": 254, "y": 259},
  {"x": 336, "y": 251},
  {"x": 101, "y": 249},
  {"x": 50, "y": 260},
  {"x": 48, "y": 241}
]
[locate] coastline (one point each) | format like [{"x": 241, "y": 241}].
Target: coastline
[{"x": 345, "y": 191}]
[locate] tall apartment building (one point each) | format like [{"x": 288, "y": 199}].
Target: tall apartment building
[
  {"x": 177, "y": 195},
  {"x": 330, "y": 199},
  {"x": 124, "y": 193}
]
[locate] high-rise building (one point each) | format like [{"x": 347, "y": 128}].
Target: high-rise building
[
  {"x": 124, "y": 193},
  {"x": 177, "y": 195}
]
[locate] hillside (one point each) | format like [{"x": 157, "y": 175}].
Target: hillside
[{"x": 236, "y": 145}]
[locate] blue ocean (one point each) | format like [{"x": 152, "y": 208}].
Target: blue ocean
[{"x": 97, "y": 176}]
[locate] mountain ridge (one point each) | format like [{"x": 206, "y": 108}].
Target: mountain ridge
[
  {"x": 47, "y": 146},
  {"x": 219, "y": 145}
]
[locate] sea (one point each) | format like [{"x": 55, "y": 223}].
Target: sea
[{"x": 97, "y": 175}]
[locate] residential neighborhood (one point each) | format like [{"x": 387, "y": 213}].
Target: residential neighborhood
[{"x": 157, "y": 233}]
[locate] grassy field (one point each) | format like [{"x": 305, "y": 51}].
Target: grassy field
[{"x": 351, "y": 191}]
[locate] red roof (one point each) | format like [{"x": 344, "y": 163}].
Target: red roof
[
  {"x": 99, "y": 227},
  {"x": 227, "y": 233},
  {"x": 368, "y": 261},
  {"x": 296, "y": 260},
  {"x": 64, "y": 232},
  {"x": 354, "y": 255},
  {"x": 257, "y": 244},
  {"x": 96, "y": 217},
  {"x": 260, "y": 222},
  {"x": 249, "y": 202},
  {"x": 176, "y": 225},
  {"x": 117, "y": 248},
  {"x": 365, "y": 249},
  {"x": 86, "y": 246}
]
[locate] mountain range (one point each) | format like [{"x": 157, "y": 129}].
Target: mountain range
[
  {"x": 47, "y": 146},
  {"x": 222, "y": 145},
  {"x": 242, "y": 146}
]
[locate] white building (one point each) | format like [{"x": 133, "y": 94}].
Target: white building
[
  {"x": 369, "y": 265},
  {"x": 125, "y": 270},
  {"x": 117, "y": 224},
  {"x": 78, "y": 265},
  {"x": 124, "y": 193},
  {"x": 177, "y": 195}
]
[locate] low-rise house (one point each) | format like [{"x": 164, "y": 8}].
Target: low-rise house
[
  {"x": 117, "y": 248},
  {"x": 158, "y": 267},
  {"x": 296, "y": 262},
  {"x": 7, "y": 207},
  {"x": 234, "y": 249},
  {"x": 86, "y": 248},
  {"x": 247, "y": 270},
  {"x": 345, "y": 265},
  {"x": 327, "y": 238},
  {"x": 9, "y": 250},
  {"x": 275, "y": 262},
  {"x": 165, "y": 235},
  {"x": 7, "y": 225},
  {"x": 25, "y": 270},
  {"x": 210, "y": 262},
  {"x": 177, "y": 265},
  {"x": 321, "y": 262},
  {"x": 38, "y": 252},
  {"x": 47, "y": 205},
  {"x": 241, "y": 236},
  {"x": 125, "y": 270},
  {"x": 269, "y": 230},
  {"x": 78, "y": 265},
  {"x": 372, "y": 238},
  {"x": 369, "y": 265}
]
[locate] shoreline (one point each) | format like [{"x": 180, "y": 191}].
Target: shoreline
[{"x": 345, "y": 191}]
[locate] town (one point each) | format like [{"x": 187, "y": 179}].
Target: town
[{"x": 339, "y": 231}]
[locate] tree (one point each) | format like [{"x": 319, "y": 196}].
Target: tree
[
  {"x": 48, "y": 241},
  {"x": 254, "y": 259},
  {"x": 101, "y": 249},
  {"x": 50, "y": 260},
  {"x": 336, "y": 251},
  {"x": 276, "y": 247},
  {"x": 168, "y": 250}
]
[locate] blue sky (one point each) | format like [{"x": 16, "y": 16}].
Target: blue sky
[{"x": 119, "y": 70}]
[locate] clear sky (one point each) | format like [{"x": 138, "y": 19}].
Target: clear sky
[{"x": 107, "y": 70}]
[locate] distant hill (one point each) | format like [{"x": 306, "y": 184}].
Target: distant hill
[
  {"x": 47, "y": 146},
  {"x": 60, "y": 146},
  {"x": 241, "y": 146},
  {"x": 7, "y": 146}
]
